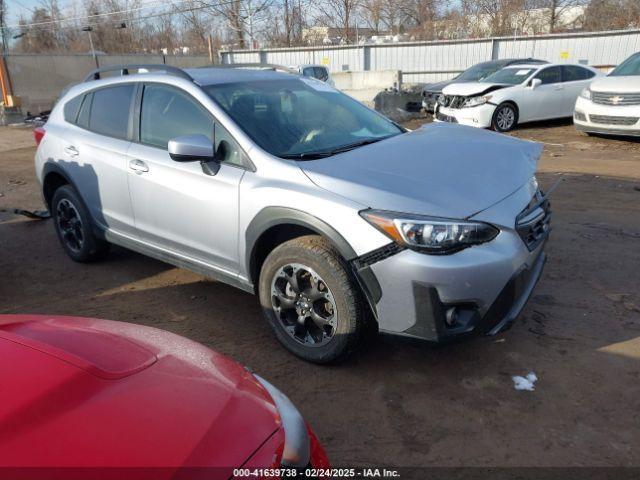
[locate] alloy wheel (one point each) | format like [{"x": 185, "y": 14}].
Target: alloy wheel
[
  {"x": 304, "y": 305},
  {"x": 506, "y": 117},
  {"x": 70, "y": 225}
]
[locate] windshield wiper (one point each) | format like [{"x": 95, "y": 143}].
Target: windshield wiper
[
  {"x": 328, "y": 153},
  {"x": 306, "y": 155}
]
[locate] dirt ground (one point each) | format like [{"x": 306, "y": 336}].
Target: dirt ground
[{"x": 400, "y": 402}]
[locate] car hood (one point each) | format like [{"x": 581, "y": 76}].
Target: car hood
[
  {"x": 91, "y": 393},
  {"x": 472, "y": 88},
  {"x": 623, "y": 84},
  {"x": 440, "y": 169},
  {"x": 437, "y": 87}
]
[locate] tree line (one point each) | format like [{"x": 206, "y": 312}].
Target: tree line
[{"x": 198, "y": 26}]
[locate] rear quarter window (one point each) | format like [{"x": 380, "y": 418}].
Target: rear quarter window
[
  {"x": 71, "y": 109},
  {"x": 110, "y": 111}
]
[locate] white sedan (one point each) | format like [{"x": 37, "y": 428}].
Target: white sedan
[{"x": 515, "y": 94}]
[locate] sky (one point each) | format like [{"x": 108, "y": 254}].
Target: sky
[{"x": 25, "y": 7}]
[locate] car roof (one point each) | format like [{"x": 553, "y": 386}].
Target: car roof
[
  {"x": 216, "y": 75},
  {"x": 541, "y": 65},
  {"x": 514, "y": 61}
]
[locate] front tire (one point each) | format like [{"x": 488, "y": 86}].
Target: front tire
[
  {"x": 505, "y": 117},
  {"x": 311, "y": 300},
  {"x": 73, "y": 226}
]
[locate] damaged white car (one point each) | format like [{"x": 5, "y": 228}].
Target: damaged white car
[{"x": 515, "y": 94}]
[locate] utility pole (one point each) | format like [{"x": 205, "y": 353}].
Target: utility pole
[
  {"x": 93, "y": 52},
  {"x": 210, "y": 45}
]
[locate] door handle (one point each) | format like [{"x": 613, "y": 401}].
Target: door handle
[
  {"x": 138, "y": 166},
  {"x": 71, "y": 151}
]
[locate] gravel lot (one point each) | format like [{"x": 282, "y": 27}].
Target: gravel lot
[{"x": 399, "y": 402}]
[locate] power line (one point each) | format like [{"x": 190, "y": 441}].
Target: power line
[
  {"x": 87, "y": 17},
  {"x": 40, "y": 25}
]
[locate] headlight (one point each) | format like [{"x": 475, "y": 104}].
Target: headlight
[
  {"x": 586, "y": 93},
  {"x": 475, "y": 101},
  {"x": 429, "y": 234}
]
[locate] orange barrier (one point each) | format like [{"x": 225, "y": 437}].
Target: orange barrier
[{"x": 4, "y": 81}]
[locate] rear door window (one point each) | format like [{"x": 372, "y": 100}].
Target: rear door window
[
  {"x": 572, "y": 73},
  {"x": 549, "y": 75},
  {"x": 168, "y": 113},
  {"x": 110, "y": 111}
]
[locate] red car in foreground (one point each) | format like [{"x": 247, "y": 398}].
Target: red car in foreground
[{"x": 87, "y": 398}]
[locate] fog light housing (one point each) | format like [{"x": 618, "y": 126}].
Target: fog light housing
[
  {"x": 450, "y": 316},
  {"x": 578, "y": 115}
]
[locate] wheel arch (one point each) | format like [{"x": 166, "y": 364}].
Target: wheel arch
[
  {"x": 275, "y": 225},
  {"x": 507, "y": 101},
  {"x": 511, "y": 101},
  {"x": 53, "y": 177}
]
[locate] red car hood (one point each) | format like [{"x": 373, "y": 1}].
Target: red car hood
[{"x": 86, "y": 393}]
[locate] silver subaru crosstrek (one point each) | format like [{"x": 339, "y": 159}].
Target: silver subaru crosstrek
[{"x": 339, "y": 219}]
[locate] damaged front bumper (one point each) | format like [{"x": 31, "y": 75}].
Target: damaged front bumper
[{"x": 481, "y": 289}]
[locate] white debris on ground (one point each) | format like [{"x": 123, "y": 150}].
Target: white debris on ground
[{"x": 525, "y": 383}]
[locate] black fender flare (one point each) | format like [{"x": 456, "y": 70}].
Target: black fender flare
[
  {"x": 270, "y": 217},
  {"x": 273, "y": 216},
  {"x": 52, "y": 167}
]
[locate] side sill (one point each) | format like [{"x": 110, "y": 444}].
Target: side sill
[{"x": 178, "y": 260}]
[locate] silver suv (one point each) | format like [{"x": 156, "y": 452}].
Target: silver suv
[{"x": 339, "y": 219}]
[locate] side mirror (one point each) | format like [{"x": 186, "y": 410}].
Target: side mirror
[
  {"x": 191, "y": 148},
  {"x": 535, "y": 83}
]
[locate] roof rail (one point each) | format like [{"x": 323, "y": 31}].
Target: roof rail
[
  {"x": 263, "y": 66},
  {"x": 124, "y": 70}
]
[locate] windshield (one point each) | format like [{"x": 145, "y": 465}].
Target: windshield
[
  {"x": 479, "y": 72},
  {"x": 299, "y": 117},
  {"x": 511, "y": 76},
  {"x": 631, "y": 66}
]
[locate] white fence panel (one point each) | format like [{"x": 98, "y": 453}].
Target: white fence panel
[{"x": 440, "y": 60}]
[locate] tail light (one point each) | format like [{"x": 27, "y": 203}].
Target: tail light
[{"x": 38, "y": 134}]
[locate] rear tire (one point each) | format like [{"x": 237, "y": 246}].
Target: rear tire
[
  {"x": 73, "y": 225},
  {"x": 505, "y": 117},
  {"x": 311, "y": 300}
]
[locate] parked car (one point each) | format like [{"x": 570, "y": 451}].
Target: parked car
[
  {"x": 282, "y": 186},
  {"x": 476, "y": 73},
  {"x": 319, "y": 72},
  {"x": 515, "y": 94},
  {"x": 611, "y": 105},
  {"x": 97, "y": 394}
]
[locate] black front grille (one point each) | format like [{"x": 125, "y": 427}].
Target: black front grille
[
  {"x": 452, "y": 101},
  {"x": 610, "y": 98},
  {"x": 445, "y": 118},
  {"x": 534, "y": 222}
]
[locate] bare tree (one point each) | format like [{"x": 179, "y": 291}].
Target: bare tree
[
  {"x": 339, "y": 14},
  {"x": 420, "y": 17},
  {"x": 612, "y": 14},
  {"x": 3, "y": 33}
]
